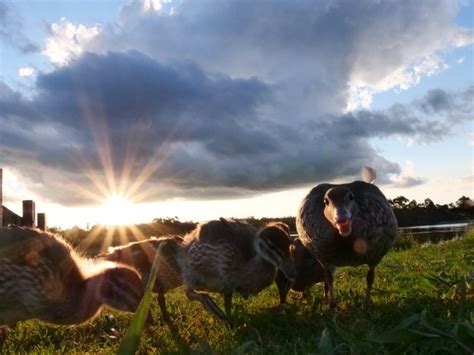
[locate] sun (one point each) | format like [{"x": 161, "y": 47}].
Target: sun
[{"x": 116, "y": 211}]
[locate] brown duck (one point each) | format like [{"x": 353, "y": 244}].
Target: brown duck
[
  {"x": 227, "y": 257},
  {"x": 42, "y": 277},
  {"x": 141, "y": 255}
]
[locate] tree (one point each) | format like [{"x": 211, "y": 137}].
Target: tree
[
  {"x": 429, "y": 203},
  {"x": 464, "y": 202},
  {"x": 400, "y": 202}
]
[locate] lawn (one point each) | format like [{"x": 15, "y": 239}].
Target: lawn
[{"x": 422, "y": 302}]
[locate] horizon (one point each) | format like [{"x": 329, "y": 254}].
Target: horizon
[{"x": 126, "y": 111}]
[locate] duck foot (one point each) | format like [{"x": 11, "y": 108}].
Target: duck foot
[{"x": 209, "y": 305}]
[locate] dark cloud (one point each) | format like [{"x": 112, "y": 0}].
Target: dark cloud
[
  {"x": 11, "y": 29},
  {"x": 201, "y": 134},
  {"x": 436, "y": 101},
  {"x": 456, "y": 106},
  {"x": 398, "y": 119}
]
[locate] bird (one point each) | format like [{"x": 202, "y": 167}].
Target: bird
[
  {"x": 309, "y": 271},
  {"x": 42, "y": 277},
  {"x": 348, "y": 224},
  {"x": 141, "y": 255},
  {"x": 227, "y": 256}
]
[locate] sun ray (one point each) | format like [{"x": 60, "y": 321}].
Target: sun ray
[
  {"x": 136, "y": 232},
  {"x": 107, "y": 241},
  {"x": 123, "y": 235},
  {"x": 96, "y": 119},
  {"x": 93, "y": 176},
  {"x": 91, "y": 237},
  {"x": 159, "y": 156},
  {"x": 133, "y": 142}
]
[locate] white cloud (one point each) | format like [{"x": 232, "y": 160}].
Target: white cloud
[
  {"x": 153, "y": 5},
  {"x": 463, "y": 37},
  {"x": 26, "y": 72},
  {"x": 133, "y": 12},
  {"x": 67, "y": 41},
  {"x": 429, "y": 66},
  {"x": 361, "y": 93},
  {"x": 461, "y": 60},
  {"x": 15, "y": 190},
  {"x": 359, "y": 97}
]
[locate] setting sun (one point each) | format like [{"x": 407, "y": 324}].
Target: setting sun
[{"x": 116, "y": 210}]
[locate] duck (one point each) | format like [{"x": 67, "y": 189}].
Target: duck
[
  {"x": 141, "y": 255},
  {"x": 349, "y": 224},
  {"x": 309, "y": 271},
  {"x": 227, "y": 256},
  {"x": 42, "y": 277}
]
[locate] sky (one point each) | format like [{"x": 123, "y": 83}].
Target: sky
[{"x": 123, "y": 111}]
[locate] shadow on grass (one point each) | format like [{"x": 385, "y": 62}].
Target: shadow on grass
[{"x": 426, "y": 324}]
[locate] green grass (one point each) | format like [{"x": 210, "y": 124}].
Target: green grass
[{"x": 423, "y": 301}]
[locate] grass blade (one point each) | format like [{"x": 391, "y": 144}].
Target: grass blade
[
  {"x": 131, "y": 341},
  {"x": 325, "y": 343}
]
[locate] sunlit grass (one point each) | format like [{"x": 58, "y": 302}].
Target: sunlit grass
[{"x": 423, "y": 303}]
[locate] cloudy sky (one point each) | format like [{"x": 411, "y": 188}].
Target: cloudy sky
[{"x": 200, "y": 109}]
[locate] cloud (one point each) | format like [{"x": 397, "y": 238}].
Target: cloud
[
  {"x": 407, "y": 177},
  {"x": 216, "y": 99},
  {"x": 66, "y": 41},
  {"x": 11, "y": 29},
  {"x": 454, "y": 106},
  {"x": 464, "y": 37},
  {"x": 185, "y": 132},
  {"x": 26, "y": 72},
  {"x": 314, "y": 51}
]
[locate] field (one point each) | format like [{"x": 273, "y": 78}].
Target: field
[{"x": 423, "y": 302}]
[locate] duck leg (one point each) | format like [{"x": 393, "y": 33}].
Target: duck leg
[
  {"x": 329, "y": 282},
  {"x": 207, "y": 303},
  {"x": 283, "y": 285},
  {"x": 164, "y": 311},
  {"x": 306, "y": 294},
  {"x": 228, "y": 304},
  {"x": 370, "y": 281},
  {"x": 326, "y": 290}
]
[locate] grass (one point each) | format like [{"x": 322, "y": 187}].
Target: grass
[{"x": 423, "y": 302}]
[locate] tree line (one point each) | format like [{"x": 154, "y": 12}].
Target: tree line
[{"x": 409, "y": 213}]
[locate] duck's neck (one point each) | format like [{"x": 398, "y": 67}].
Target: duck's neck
[{"x": 79, "y": 304}]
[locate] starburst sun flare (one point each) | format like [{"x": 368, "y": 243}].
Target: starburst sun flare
[{"x": 115, "y": 211}]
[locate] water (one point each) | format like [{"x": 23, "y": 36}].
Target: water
[
  {"x": 439, "y": 226},
  {"x": 434, "y": 229}
]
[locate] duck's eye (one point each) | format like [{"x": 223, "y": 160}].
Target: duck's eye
[
  {"x": 326, "y": 201},
  {"x": 351, "y": 196}
]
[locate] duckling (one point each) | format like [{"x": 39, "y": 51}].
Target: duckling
[
  {"x": 42, "y": 277},
  {"x": 347, "y": 225},
  {"x": 141, "y": 255},
  {"x": 227, "y": 256},
  {"x": 308, "y": 272}
]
